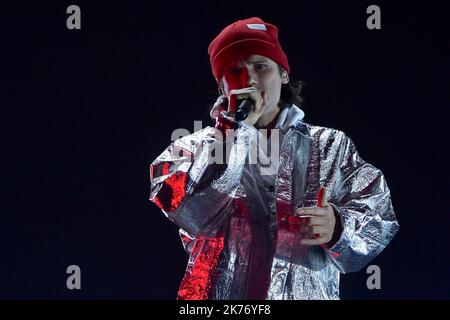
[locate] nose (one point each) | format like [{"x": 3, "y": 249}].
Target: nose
[{"x": 251, "y": 76}]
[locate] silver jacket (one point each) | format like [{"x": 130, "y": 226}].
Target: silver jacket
[{"x": 232, "y": 218}]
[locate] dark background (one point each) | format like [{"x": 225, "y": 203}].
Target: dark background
[{"x": 86, "y": 112}]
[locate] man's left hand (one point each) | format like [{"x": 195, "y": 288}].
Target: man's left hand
[{"x": 322, "y": 220}]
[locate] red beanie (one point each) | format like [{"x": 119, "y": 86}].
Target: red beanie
[{"x": 242, "y": 39}]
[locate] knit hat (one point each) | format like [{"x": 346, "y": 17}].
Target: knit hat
[{"x": 242, "y": 39}]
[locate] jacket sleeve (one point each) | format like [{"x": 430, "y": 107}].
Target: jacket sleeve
[
  {"x": 192, "y": 190},
  {"x": 362, "y": 199}
]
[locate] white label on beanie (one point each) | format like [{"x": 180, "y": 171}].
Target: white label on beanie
[{"x": 257, "y": 26}]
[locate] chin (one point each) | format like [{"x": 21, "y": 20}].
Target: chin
[{"x": 269, "y": 109}]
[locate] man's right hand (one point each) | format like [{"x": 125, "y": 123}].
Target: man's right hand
[{"x": 259, "y": 102}]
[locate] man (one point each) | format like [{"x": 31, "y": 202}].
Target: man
[{"x": 252, "y": 233}]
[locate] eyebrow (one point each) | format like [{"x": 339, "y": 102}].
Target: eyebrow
[{"x": 259, "y": 61}]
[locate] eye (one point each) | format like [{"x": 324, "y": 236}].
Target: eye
[
  {"x": 235, "y": 71},
  {"x": 260, "y": 66}
]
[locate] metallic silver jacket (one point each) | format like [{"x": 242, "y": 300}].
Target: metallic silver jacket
[{"x": 233, "y": 220}]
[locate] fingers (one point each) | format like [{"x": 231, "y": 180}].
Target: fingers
[
  {"x": 322, "y": 197},
  {"x": 311, "y": 211},
  {"x": 319, "y": 235},
  {"x": 220, "y": 100},
  {"x": 255, "y": 97},
  {"x": 319, "y": 230},
  {"x": 314, "y": 242},
  {"x": 265, "y": 98},
  {"x": 311, "y": 220},
  {"x": 218, "y": 107},
  {"x": 255, "y": 94},
  {"x": 318, "y": 221}
]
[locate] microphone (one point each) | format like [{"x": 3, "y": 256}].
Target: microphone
[{"x": 243, "y": 110}]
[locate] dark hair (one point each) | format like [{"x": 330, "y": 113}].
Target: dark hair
[{"x": 291, "y": 92}]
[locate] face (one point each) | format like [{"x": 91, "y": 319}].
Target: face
[{"x": 259, "y": 72}]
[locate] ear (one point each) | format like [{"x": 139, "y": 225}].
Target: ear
[{"x": 284, "y": 77}]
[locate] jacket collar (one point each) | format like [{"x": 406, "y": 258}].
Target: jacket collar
[
  {"x": 289, "y": 117},
  {"x": 292, "y": 116}
]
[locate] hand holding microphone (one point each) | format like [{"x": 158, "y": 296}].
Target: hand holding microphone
[
  {"x": 251, "y": 104},
  {"x": 242, "y": 112}
]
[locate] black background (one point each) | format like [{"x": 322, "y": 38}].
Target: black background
[{"x": 86, "y": 112}]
